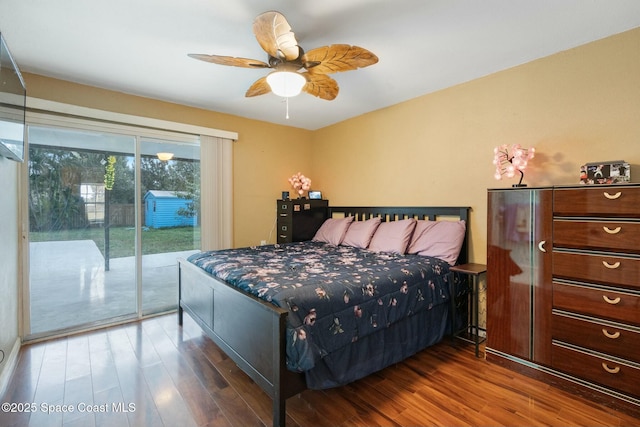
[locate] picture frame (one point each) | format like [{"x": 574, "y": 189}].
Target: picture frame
[
  {"x": 611, "y": 172},
  {"x": 315, "y": 195}
]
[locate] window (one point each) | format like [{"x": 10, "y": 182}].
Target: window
[{"x": 93, "y": 198}]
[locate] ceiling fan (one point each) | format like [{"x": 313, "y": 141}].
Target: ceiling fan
[{"x": 287, "y": 58}]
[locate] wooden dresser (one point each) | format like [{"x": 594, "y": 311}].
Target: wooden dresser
[
  {"x": 299, "y": 219},
  {"x": 596, "y": 285},
  {"x": 581, "y": 318}
]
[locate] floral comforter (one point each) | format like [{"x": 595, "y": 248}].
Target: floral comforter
[{"x": 334, "y": 294}]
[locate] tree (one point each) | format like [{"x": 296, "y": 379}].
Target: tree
[
  {"x": 56, "y": 175},
  {"x": 180, "y": 176},
  {"x": 124, "y": 185},
  {"x": 54, "y": 199},
  {"x": 189, "y": 172}
]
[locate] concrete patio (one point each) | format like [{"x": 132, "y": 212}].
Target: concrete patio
[{"x": 70, "y": 287}]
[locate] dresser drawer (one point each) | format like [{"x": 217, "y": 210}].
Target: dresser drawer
[
  {"x": 284, "y": 207},
  {"x": 619, "y": 306},
  {"x": 600, "y": 235},
  {"x": 600, "y": 370},
  {"x": 285, "y": 232},
  {"x": 622, "y": 271},
  {"x": 615, "y": 201},
  {"x": 285, "y": 219},
  {"x": 605, "y": 338}
]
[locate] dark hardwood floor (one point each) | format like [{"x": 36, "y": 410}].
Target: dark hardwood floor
[{"x": 154, "y": 373}]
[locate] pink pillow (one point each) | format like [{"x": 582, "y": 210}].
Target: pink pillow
[
  {"x": 440, "y": 239},
  {"x": 360, "y": 233},
  {"x": 393, "y": 236},
  {"x": 332, "y": 231}
]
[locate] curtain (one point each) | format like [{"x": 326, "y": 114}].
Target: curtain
[{"x": 216, "y": 192}]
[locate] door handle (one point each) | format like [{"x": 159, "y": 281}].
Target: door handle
[
  {"x": 612, "y": 196},
  {"x": 541, "y": 246}
]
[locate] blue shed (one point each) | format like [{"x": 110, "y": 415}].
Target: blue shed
[{"x": 161, "y": 210}]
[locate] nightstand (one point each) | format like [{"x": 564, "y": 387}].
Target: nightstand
[{"x": 471, "y": 329}]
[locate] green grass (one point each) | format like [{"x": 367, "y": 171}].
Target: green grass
[{"x": 122, "y": 239}]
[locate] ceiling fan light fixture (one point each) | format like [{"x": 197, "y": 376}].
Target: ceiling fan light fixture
[
  {"x": 164, "y": 156},
  {"x": 286, "y": 83}
]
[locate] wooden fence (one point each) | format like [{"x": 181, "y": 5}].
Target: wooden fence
[{"x": 123, "y": 215}]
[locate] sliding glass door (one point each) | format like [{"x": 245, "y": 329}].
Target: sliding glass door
[
  {"x": 81, "y": 228},
  {"x": 102, "y": 241},
  {"x": 171, "y": 217}
]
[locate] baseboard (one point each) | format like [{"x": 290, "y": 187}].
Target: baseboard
[{"x": 10, "y": 363}]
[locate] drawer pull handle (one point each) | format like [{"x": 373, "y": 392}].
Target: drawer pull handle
[
  {"x": 612, "y": 196},
  {"x": 610, "y": 301},
  {"x": 541, "y": 246},
  {"x": 610, "y": 370},
  {"x": 610, "y": 335},
  {"x": 611, "y": 266},
  {"x": 612, "y": 231}
]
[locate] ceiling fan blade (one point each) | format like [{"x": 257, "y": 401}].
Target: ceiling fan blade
[
  {"x": 274, "y": 34},
  {"x": 336, "y": 58},
  {"x": 259, "y": 87},
  {"x": 230, "y": 60},
  {"x": 320, "y": 85}
]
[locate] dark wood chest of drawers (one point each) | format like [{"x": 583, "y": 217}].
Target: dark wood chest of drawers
[
  {"x": 563, "y": 286},
  {"x": 596, "y": 285},
  {"x": 299, "y": 219}
]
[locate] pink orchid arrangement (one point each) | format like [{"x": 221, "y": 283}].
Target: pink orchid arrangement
[
  {"x": 511, "y": 159},
  {"x": 300, "y": 183}
]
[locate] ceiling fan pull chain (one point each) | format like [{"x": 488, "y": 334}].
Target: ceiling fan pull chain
[{"x": 287, "y": 101}]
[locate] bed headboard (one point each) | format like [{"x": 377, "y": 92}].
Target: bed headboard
[{"x": 394, "y": 213}]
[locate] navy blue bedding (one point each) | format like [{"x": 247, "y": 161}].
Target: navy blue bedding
[{"x": 339, "y": 295}]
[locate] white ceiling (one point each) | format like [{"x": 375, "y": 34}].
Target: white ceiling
[{"x": 140, "y": 46}]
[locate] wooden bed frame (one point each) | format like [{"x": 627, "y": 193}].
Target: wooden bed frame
[{"x": 252, "y": 331}]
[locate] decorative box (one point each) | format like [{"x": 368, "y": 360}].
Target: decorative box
[{"x": 612, "y": 172}]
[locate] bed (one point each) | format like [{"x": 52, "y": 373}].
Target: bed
[{"x": 364, "y": 309}]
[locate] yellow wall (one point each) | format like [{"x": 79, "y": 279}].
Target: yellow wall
[
  {"x": 577, "y": 106},
  {"x": 264, "y": 156},
  {"x": 574, "y": 107}
]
